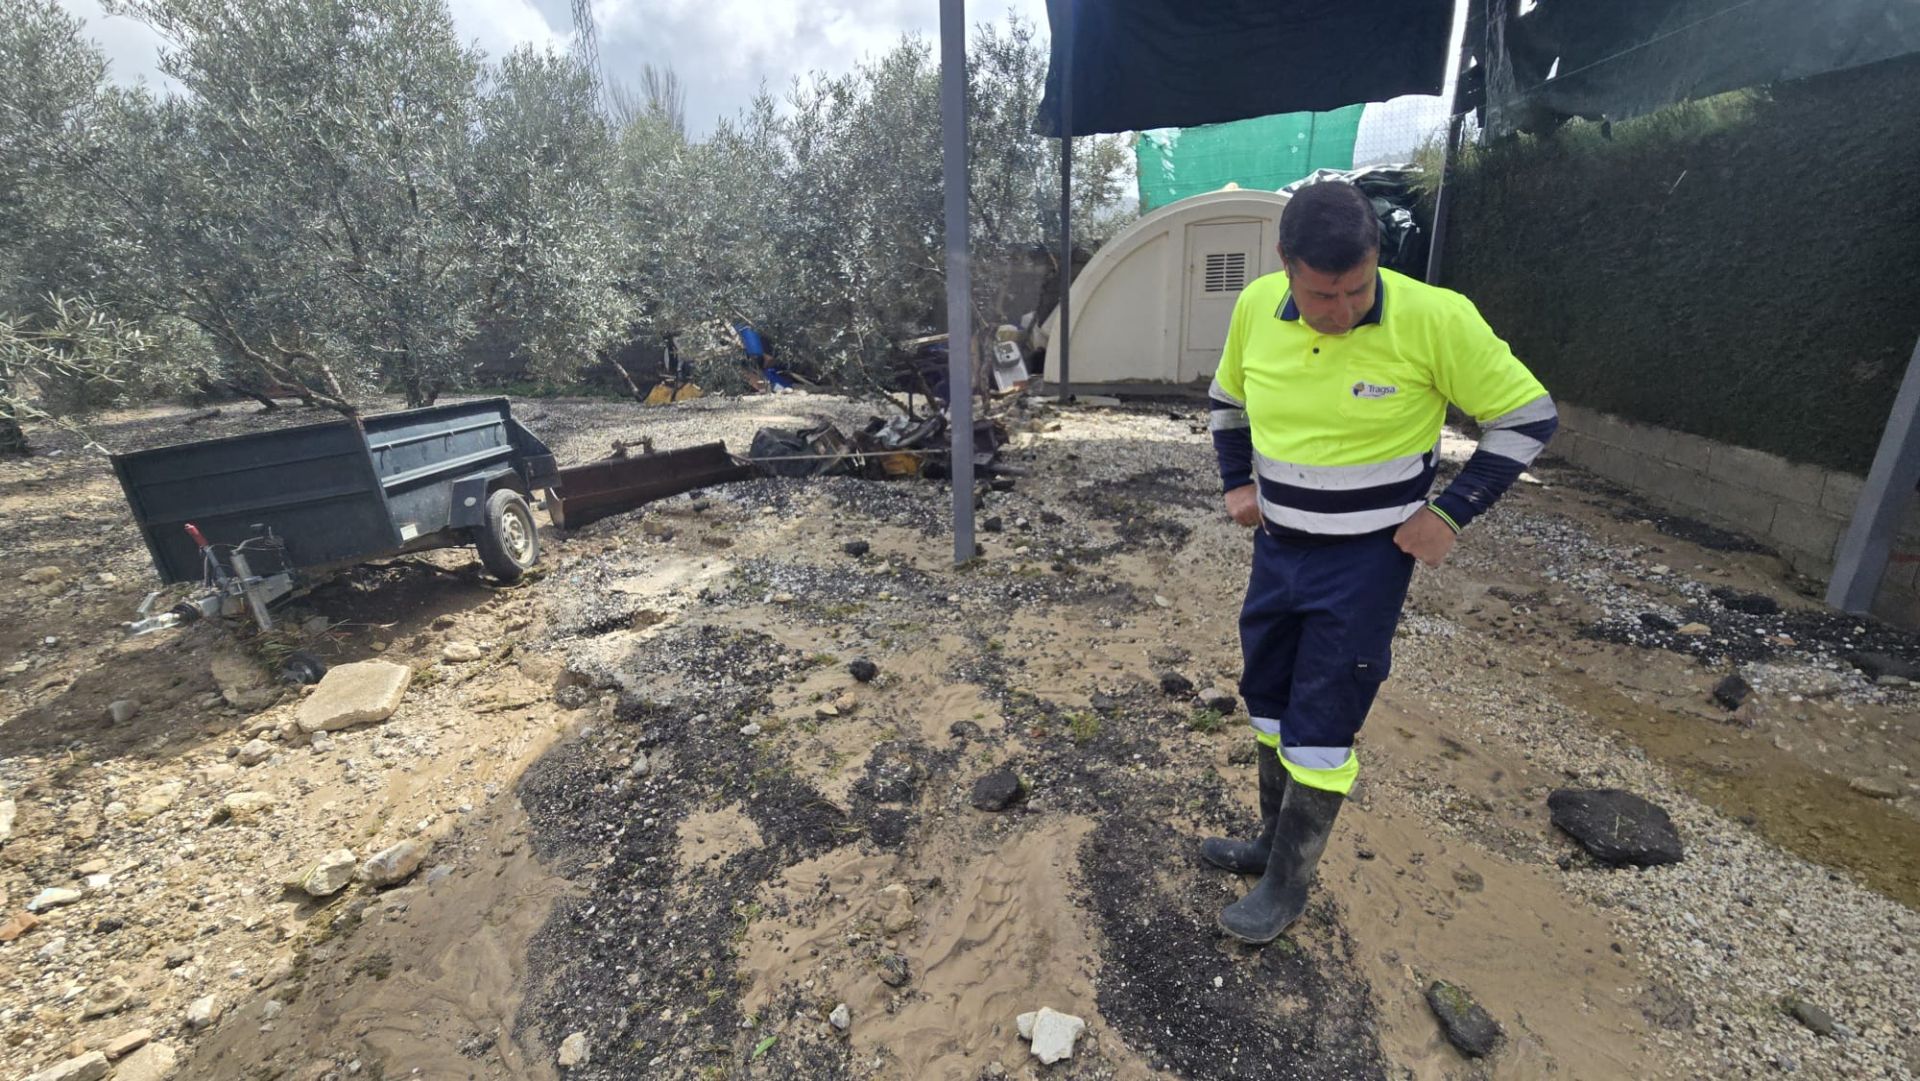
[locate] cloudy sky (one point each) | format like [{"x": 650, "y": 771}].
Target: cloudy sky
[{"x": 724, "y": 50}]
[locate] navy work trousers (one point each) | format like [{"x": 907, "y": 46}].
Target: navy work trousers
[{"x": 1316, "y": 635}]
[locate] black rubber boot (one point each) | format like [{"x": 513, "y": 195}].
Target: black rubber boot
[
  {"x": 1250, "y": 857},
  {"x": 1299, "y": 836}
]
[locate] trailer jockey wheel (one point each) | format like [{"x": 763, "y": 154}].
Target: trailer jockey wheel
[
  {"x": 507, "y": 541},
  {"x": 302, "y": 668}
]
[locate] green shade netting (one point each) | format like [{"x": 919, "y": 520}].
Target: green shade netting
[{"x": 1265, "y": 153}]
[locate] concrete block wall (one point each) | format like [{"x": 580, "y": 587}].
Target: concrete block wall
[{"x": 1801, "y": 510}]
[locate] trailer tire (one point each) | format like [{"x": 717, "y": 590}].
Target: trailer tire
[
  {"x": 507, "y": 540},
  {"x": 302, "y": 668}
]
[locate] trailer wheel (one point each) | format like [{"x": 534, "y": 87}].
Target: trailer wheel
[
  {"x": 507, "y": 541},
  {"x": 302, "y": 668}
]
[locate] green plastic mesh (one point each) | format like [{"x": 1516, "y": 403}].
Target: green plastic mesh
[{"x": 1264, "y": 153}]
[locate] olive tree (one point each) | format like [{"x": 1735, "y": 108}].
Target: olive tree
[
  {"x": 345, "y": 196},
  {"x": 822, "y": 222}
]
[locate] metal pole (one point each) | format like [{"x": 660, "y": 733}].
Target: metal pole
[
  {"x": 1442, "y": 201},
  {"x": 1066, "y": 204},
  {"x": 1862, "y": 557},
  {"x": 1457, "y": 42},
  {"x": 953, "y": 128}
]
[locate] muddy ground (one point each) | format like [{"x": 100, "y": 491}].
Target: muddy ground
[{"x": 666, "y": 817}]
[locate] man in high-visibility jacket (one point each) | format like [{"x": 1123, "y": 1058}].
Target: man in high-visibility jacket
[{"x": 1327, "y": 409}]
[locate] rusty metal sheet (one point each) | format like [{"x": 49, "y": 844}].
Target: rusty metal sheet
[{"x": 588, "y": 493}]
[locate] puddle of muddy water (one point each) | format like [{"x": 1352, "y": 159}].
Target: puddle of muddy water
[{"x": 1785, "y": 797}]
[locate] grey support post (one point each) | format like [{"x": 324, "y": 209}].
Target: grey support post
[
  {"x": 953, "y": 127},
  {"x": 1889, "y": 490}
]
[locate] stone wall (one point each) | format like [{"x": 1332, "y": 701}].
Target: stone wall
[{"x": 1800, "y": 510}]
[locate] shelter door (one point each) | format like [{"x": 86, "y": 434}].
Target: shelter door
[{"x": 1222, "y": 257}]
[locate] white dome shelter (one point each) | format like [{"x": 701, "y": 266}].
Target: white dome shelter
[{"x": 1150, "y": 309}]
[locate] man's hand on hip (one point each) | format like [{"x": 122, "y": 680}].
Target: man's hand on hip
[
  {"x": 1243, "y": 505},
  {"x": 1426, "y": 537}
]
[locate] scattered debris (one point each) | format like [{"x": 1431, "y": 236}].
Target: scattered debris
[
  {"x": 1051, "y": 1033},
  {"x": 330, "y": 875},
  {"x": 394, "y": 865},
  {"x": 1617, "y": 826},
  {"x": 246, "y": 806},
  {"x": 53, "y": 897},
  {"x": 1877, "y": 665},
  {"x": 127, "y": 1043},
  {"x": 1816, "y": 1020},
  {"x": 91, "y": 1066},
  {"x": 1874, "y": 787},
  {"x": 203, "y": 1013},
  {"x": 1468, "y": 1027},
  {"x": 111, "y": 996},
  {"x": 18, "y": 924},
  {"x": 894, "y": 970},
  {"x": 998, "y": 790},
  {"x": 1217, "y": 700},
  {"x": 1731, "y": 691},
  {"x": 154, "y": 1062},
  {"x": 1753, "y": 604},
  {"x": 460, "y": 652},
  {"x": 899, "y": 914},
  {"x": 365, "y": 692}
]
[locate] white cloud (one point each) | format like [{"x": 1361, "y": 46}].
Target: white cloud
[
  {"x": 723, "y": 50},
  {"x": 497, "y": 26},
  {"x": 132, "y": 48},
  {"x": 501, "y": 26}
]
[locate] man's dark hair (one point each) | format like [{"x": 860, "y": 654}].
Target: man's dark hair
[{"x": 1330, "y": 226}]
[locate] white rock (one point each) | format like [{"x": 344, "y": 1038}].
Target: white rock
[
  {"x": 364, "y": 692},
  {"x": 1053, "y": 1033},
  {"x": 7, "y": 810},
  {"x": 573, "y": 1050},
  {"x": 154, "y": 1062},
  {"x": 123, "y": 710},
  {"x": 749, "y": 729},
  {"x": 330, "y": 875},
  {"x": 54, "y": 897},
  {"x": 253, "y": 752},
  {"x": 392, "y": 866},
  {"x": 841, "y": 1018},
  {"x": 460, "y": 652},
  {"x": 202, "y": 1012},
  {"x": 91, "y": 1066}
]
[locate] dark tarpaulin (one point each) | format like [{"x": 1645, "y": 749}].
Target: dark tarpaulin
[
  {"x": 1630, "y": 57},
  {"x": 1140, "y": 64}
]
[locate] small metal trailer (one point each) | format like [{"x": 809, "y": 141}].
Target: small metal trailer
[{"x": 250, "y": 519}]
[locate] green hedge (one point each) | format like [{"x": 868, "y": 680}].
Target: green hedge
[{"x": 1746, "y": 268}]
